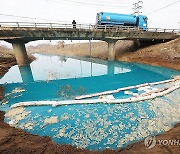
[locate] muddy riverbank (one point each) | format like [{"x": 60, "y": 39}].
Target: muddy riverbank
[
  {"x": 13, "y": 140},
  {"x": 6, "y": 61},
  {"x": 164, "y": 54}
]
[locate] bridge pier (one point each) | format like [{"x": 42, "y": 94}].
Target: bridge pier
[
  {"x": 26, "y": 74},
  {"x": 110, "y": 68},
  {"x": 111, "y": 49},
  {"x": 20, "y": 53}
]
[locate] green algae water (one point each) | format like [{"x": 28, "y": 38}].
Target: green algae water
[{"x": 92, "y": 126}]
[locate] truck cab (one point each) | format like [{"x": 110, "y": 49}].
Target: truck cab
[{"x": 142, "y": 22}]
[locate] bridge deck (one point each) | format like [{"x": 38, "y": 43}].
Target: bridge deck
[{"x": 28, "y": 32}]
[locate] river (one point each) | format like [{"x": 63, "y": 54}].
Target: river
[{"x": 92, "y": 126}]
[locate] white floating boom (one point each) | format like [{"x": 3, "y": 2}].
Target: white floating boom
[{"x": 112, "y": 101}]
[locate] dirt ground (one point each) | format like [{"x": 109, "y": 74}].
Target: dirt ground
[
  {"x": 164, "y": 54},
  {"x": 16, "y": 141},
  {"x": 6, "y": 60}
]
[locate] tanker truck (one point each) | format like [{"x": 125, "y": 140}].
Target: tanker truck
[{"x": 115, "y": 19}]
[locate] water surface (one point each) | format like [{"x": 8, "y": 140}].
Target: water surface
[{"x": 92, "y": 126}]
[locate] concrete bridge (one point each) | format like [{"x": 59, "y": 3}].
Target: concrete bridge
[{"x": 20, "y": 33}]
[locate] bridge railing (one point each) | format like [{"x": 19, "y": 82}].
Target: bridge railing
[
  {"x": 67, "y": 26},
  {"x": 59, "y": 25},
  {"x": 82, "y": 26},
  {"x": 163, "y": 30}
]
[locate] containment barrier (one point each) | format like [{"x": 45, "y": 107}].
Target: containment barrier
[{"x": 137, "y": 98}]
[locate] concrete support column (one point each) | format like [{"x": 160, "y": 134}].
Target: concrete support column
[
  {"x": 20, "y": 53},
  {"x": 111, "y": 49},
  {"x": 110, "y": 68},
  {"x": 26, "y": 74}
]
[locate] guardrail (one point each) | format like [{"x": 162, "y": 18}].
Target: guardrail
[
  {"x": 65, "y": 26},
  {"x": 82, "y": 26}
]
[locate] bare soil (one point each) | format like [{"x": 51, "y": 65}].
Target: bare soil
[
  {"x": 16, "y": 141},
  {"x": 164, "y": 54},
  {"x": 7, "y": 60}
]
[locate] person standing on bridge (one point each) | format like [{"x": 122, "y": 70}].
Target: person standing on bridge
[{"x": 74, "y": 23}]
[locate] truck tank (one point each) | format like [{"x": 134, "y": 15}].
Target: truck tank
[{"x": 114, "y": 18}]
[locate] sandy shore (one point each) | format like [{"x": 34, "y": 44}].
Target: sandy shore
[{"x": 13, "y": 140}]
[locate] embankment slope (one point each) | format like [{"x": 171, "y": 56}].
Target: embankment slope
[{"x": 164, "y": 54}]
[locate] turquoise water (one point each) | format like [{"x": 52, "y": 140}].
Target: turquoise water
[{"x": 92, "y": 126}]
